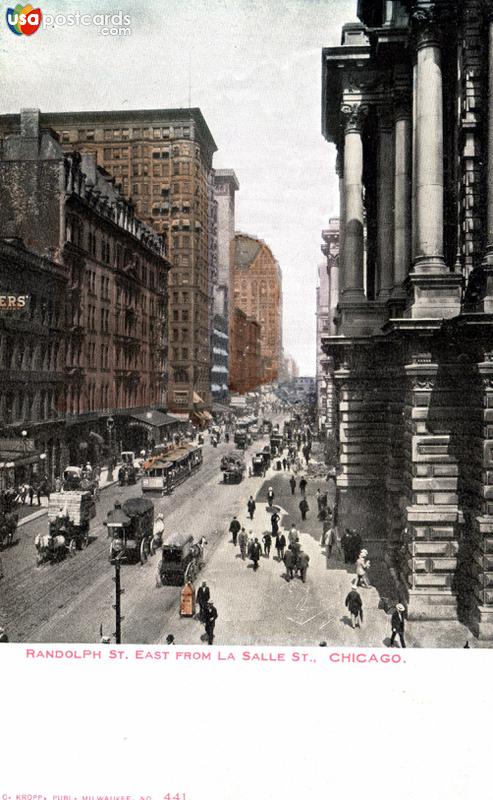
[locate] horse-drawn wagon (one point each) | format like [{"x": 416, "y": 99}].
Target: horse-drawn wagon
[
  {"x": 232, "y": 468},
  {"x": 181, "y": 560},
  {"x": 69, "y": 516},
  {"x": 130, "y": 529}
]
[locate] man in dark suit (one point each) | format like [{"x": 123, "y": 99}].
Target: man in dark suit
[
  {"x": 234, "y": 530},
  {"x": 397, "y": 623},
  {"x": 203, "y": 597},
  {"x": 210, "y": 621}
]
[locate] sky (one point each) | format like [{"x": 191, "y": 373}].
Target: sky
[{"x": 253, "y": 68}]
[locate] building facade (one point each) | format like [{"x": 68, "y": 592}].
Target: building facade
[
  {"x": 97, "y": 280},
  {"x": 245, "y": 353},
  {"x": 225, "y": 186},
  {"x": 407, "y": 101},
  {"x": 162, "y": 159},
  {"x": 326, "y": 299},
  {"x": 257, "y": 291}
]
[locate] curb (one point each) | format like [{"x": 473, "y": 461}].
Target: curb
[{"x": 43, "y": 511}]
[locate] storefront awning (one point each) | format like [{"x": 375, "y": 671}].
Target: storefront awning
[{"x": 154, "y": 419}]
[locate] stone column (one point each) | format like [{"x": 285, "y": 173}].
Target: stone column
[
  {"x": 385, "y": 206},
  {"x": 342, "y": 213},
  {"x": 353, "y": 236},
  {"x": 402, "y": 191},
  {"x": 428, "y": 145}
]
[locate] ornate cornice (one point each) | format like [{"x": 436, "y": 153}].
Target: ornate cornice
[{"x": 354, "y": 117}]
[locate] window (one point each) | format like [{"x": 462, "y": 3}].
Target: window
[
  {"x": 90, "y": 136},
  {"x": 65, "y": 136}
]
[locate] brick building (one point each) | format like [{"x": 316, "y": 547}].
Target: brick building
[
  {"x": 111, "y": 273},
  {"x": 245, "y": 353},
  {"x": 162, "y": 159},
  {"x": 257, "y": 291},
  {"x": 407, "y": 100}
]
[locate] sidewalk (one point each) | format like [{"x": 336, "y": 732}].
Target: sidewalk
[
  {"x": 28, "y": 513},
  {"x": 262, "y": 608}
]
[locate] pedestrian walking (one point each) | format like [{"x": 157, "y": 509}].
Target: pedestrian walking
[
  {"x": 292, "y": 483},
  {"x": 234, "y": 530},
  {"x": 303, "y": 483},
  {"x": 293, "y": 535},
  {"x": 243, "y": 542},
  {"x": 289, "y": 563},
  {"x": 251, "y": 506},
  {"x": 325, "y": 532},
  {"x": 267, "y": 540},
  {"x": 255, "y": 553},
  {"x": 304, "y": 508},
  {"x": 362, "y": 567},
  {"x": 211, "y": 616},
  {"x": 302, "y": 561},
  {"x": 284, "y": 464},
  {"x": 346, "y": 545},
  {"x": 203, "y": 597},
  {"x": 334, "y": 547},
  {"x": 274, "y": 521},
  {"x": 397, "y": 624},
  {"x": 30, "y": 492},
  {"x": 354, "y": 605},
  {"x": 270, "y": 496},
  {"x": 319, "y": 501},
  {"x": 280, "y": 545}
]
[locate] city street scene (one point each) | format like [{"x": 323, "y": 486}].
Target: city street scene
[{"x": 246, "y": 356}]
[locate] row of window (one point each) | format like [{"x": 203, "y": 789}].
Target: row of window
[{"x": 115, "y": 134}]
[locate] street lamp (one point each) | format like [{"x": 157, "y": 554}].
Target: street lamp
[{"x": 110, "y": 422}]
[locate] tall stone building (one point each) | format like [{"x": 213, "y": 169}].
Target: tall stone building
[
  {"x": 327, "y": 298},
  {"x": 407, "y": 99},
  {"x": 257, "y": 290},
  {"x": 94, "y": 342},
  {"x": 225, "y": 186},
  {"x": 162, "y": 159}
]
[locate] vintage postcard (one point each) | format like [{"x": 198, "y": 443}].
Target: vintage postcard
[{"x": 246, "y": 347}]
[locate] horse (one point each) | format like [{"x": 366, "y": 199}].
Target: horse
[{"x": 49, "y": 546}]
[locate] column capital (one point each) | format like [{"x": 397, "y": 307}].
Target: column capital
[
  {"x": 402, "y": 101},
  {"x": 425, "y": 26},
  {"x": 353, "y": 117}
]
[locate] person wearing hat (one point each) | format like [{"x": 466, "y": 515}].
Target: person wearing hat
[
  {"x": 362, "y": 566},
  {"x": 234, "y": 530},
  {"x": 243, "y": 543},
  {"x": 255, "y": 553},
  {"x": 157, "y": 533},
  {"x": 354, "y": 605},
  {"x": 170, "y": 639},
  {"x": 3, "y": 636},
  {"x": 210, "y": 621},
  {"x": 397, "y": 624},
  {"x": 203, "y": 597},
  {"x": 270, "y": 496},
  {"x": 251, "y": 506},
  {"x": 292, "y": 483}
]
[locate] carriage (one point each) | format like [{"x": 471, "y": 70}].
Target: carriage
[
  {"x": 130, "y": 529},
  {"x": 164, "y": 472},
  {"x": 78, "y": 479},
  {"x": 69, "y": 516},
  {"x": 232, "y": 468},
  {"x": 127, "y": 475},
  {"x": 258, "y": 465},
  {"x": 182, "y": 558},
  {"x": 241, "y": 438},
  {"x": 8, "y": 527}
]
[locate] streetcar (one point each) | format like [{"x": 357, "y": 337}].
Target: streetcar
[{"x": 164, "y": 472}]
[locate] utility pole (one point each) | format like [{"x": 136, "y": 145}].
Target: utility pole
[
  {"x": 118, "y": 593},
  {"x": 109, "y": 424}
]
